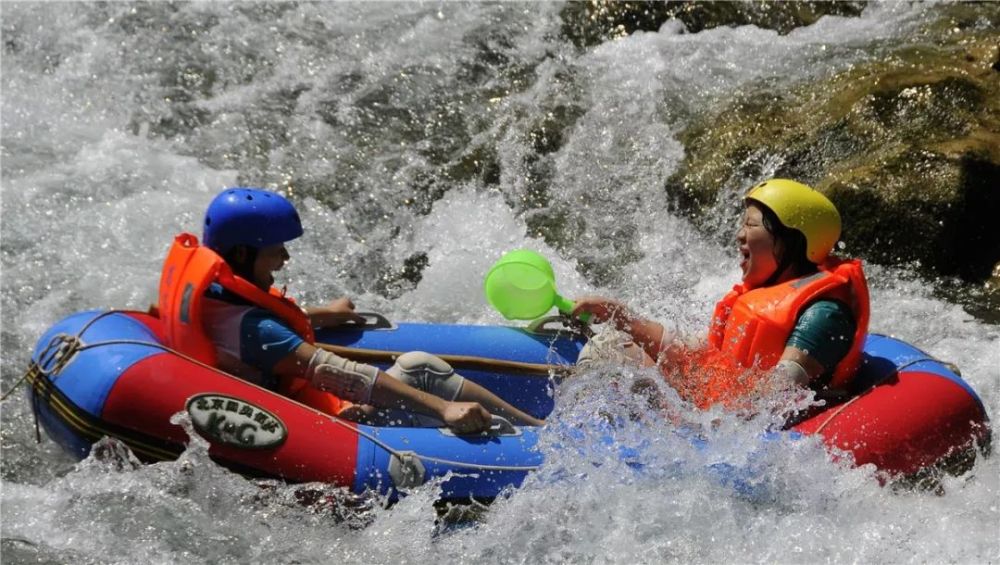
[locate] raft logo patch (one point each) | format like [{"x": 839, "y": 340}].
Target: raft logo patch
[{"x": 235, "y": 422}]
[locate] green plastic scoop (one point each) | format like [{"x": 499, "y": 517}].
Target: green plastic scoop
[{"x": 522, "y": 286}]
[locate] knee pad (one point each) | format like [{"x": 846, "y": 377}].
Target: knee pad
[
  {"x": 420, "y": 361},
  {"x": 428, "y": 373}
]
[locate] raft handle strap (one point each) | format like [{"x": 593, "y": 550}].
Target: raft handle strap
[
  {"x": 565, "y": 323},
  {"x": 374, "y": 321},
  {"x": 406, "y": 470}
]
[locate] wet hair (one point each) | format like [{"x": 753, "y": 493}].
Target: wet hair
[
  {"x": 244, "y": 268},
  {"x": 793, "y": 242}
]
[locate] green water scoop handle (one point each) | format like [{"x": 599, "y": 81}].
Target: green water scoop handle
[{"x": 565, "y": 306}]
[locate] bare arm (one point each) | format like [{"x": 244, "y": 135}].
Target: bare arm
[
  {"x": 336, "y": 313},
  {"x": 654, "y": 339},
  {"x": 798, "y": 367},
  {"x": 795, "y": 370}
]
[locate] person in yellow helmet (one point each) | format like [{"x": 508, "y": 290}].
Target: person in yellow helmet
[{"x": 798, "y": 317}]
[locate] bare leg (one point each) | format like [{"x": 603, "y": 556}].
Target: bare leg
[
  {"x": 432, "y": 374},
  {"x": 472, "y": 392}
]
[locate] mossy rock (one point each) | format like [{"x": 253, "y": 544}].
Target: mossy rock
[{"x": 907, "y": 147}]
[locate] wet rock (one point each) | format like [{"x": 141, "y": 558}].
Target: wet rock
[
  {"x": 393, "y": 282},
  {"x": 590, "y": 23},
  {"x": 908, "y": 148}
]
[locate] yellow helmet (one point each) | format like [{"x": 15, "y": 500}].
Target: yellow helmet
[{"x": 803, "y": 208}]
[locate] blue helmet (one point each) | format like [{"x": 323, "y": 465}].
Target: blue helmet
[{"x": 249, "y": 216}]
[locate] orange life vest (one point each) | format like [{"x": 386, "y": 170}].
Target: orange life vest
[
  {"x": 187, "y": 273},
  {"x": 750, "y": 328}
]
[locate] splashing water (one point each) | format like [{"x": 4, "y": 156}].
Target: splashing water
[{"x": 421, "y": 141}]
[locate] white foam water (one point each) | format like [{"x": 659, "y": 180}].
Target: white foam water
[{"x": 121, "y": 121}]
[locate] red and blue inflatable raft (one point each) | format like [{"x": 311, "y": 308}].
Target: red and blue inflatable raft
[{"x": 97, "y": 374}]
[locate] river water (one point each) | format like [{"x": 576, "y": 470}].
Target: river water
[{"x": 420, "y": 141}]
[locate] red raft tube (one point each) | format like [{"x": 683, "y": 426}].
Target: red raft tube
[{"x": 910, "y": 414}]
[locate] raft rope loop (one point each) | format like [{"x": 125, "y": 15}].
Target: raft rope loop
[
  {"x": 62, "y": 349},
  {"x": 52, "y": 360}
]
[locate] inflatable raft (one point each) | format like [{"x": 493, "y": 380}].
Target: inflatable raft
[
  {"x": 97, "y": 374},
  {"x": 100, "y": 374}
]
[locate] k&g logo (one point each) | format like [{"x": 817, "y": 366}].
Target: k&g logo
[{"x": 235, "y": 422}]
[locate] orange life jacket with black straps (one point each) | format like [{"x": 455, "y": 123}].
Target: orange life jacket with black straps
[
  {"x": 187, "y": 273},
  {"x": 750, "y": 328}
]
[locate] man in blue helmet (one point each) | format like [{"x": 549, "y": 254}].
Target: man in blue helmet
[{"x": 261, "y": 336}]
